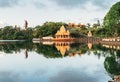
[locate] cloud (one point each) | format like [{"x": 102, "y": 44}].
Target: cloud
[
  {"x": 103, "y": 4},
  {"x": 8, "y": 3},
  {"x": 75, "y": 76},
  {"x": 70, "y": 3},
  {"x": 61, "y": 3},
  {"x": 39, "y": 4},
  {"x": 9, "y": 77},
  {"x": 21, "y": 3}
]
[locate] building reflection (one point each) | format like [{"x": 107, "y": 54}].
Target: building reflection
[
  {"x": 117, "y": 47},
  {"x": 65, "y": 46},
  {"x": 89, "y": 45},
  {"x": 116, "y": 78},
  {"x": 62, "y": 47}
]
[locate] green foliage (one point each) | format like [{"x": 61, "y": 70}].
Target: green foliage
[
  {"x": 76, "y": 32},
  {"x": 7, "y": 32},
  {"x": 101, "y": 32},
  {"x": 95, "y": 25},
  {"x": 12, "y": 47},
  {"x": 112, "y": 66},
  {"x": 112, "y": 20},
  {"x": 10, "y": 33},
  {"x": 28, "y": 33},
  {"x": 48, "y": 51},
  {"x": 47, "y": 29}
]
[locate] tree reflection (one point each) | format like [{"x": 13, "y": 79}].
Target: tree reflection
[
  {"x": 26, "y": 54},
  {"x": 49, "y": 51},
  {"x": 112, "y": 65},
  {"x": 54, "y": 51},
  {"x": 16, "y": 47},
  {"x": 58, "y": 49}
]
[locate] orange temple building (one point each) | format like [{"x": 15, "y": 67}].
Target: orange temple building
[
  {"x": 89, "y": 34},
  {"x": 63, "y": 35}
]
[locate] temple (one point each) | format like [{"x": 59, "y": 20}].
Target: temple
[
  {"x": 62, "y": 35},
  {"x": 89, "y": 34}
]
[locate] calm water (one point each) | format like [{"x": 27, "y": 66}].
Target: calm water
[{"x": 34, "y": 62}]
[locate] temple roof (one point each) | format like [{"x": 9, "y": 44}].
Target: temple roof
[{"x": 63, "y": 31}]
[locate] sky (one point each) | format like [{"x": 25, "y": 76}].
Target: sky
[{"x": 37, "y": 12}]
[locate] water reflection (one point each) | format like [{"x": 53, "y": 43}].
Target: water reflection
[
  {"x": 112, "y": 57},
  {"x": 26, "y": 54},
  {"x": 112, "y": 66},
  {"x": 63, "y": 50},
  {"x": 63, "y": 47},
  {"x": 116, "y": 78},
  {"x": 16, "y": 47},
  {"x": 90, "y": 45},
  {"x": 52, "y": 50}
]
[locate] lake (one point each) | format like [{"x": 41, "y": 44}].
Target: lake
[{"x": 58, "y": 62}]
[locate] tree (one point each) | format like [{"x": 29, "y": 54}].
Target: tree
[
  {"x": 7, "y": 32},
  {"x": 88, "y": 25},
  {"x": 98, "y": 22},
  {"x": 112, "y": 19},
  {"x": 47, "y": 29},
  {"x": 95, "y": 25},
  {"x": 29, "y": 33}
]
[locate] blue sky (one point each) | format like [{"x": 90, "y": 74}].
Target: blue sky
[{"x": 14, "y": 12}]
